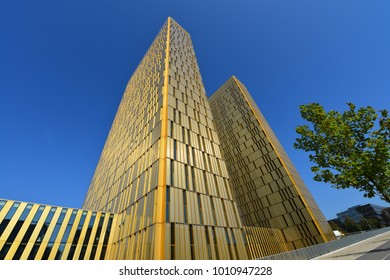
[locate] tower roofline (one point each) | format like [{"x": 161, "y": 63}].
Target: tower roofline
[
  {"x": 232, "y": 77},
  {"x": 175, "y": 22}
]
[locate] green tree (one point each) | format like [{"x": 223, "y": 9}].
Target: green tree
[
  {"x": 372, "y": 223},
  {"x": 349, "y": 149},
  {"x": 351, "y": 225},
  {"x": 386, "y": 216},
  {"x": 335, "y": 226}
]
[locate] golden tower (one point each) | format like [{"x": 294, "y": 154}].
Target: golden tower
[
  {"x": 161, "y": 188},
  {"x": 267, "y": 188},
  {"x": 161, "y": 168}
]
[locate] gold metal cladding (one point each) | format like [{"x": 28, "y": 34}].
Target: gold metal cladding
[
  {"x": 46, "y": 232},
  {"x": 264, "y": 241},
  {"x": 161, "y": 176},
  {"x": 161, "y": 192},
  {"x": 252, "y": 106}
]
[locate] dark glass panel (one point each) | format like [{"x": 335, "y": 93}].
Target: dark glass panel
[
  {"x": 97, "y": 236},
  {"x": 87, "y": 236},
  {"x": 41, "y": 234},
  {"x": 60, "y": 251},
  {"x": 46, "y": 254},
  {"x": 106, "y": 237},
  {"x": 8, "y": 217},
  {"x": 3, "y": 252},
  {"x": 77, "y": 236},
  {"x": 15, "y": 230},
  {"x": 2, "y": 203}
]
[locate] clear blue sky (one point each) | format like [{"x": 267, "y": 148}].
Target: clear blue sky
[{"x": 64, "y": 66}]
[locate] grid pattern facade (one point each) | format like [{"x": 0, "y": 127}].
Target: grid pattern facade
[
  {"x": 126, "y": 178},
  {"x": 360, "y": 212},
  {"x": 352, "y": 213},
  {"x": 162, "y": 189},
  {"x": 267, "y": 188},
  {"x": 40, "y": 232},
  {"x": 161, "y": 168},
  {"x": 263, "y": 242}
]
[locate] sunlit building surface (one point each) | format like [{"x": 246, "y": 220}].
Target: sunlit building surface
[
  {"x": 161, "y": 168},
  {"x": 31, "y": 231},
  {"x": 267, "y": 188},
  {"x": 161, "y": 189}
]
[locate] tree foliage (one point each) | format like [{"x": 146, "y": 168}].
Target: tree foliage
[
  {"x": 351, "y": 225},
  {"x": 386, "y": 215},
  {"x": 335, "y": 226},
  {"x": 349, "y": 149},
  {"x": 370, "y": 223}
]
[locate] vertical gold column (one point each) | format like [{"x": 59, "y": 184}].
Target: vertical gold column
[{"x": 162, "y": 169}]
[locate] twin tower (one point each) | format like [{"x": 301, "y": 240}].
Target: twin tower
[{"x": 181, "y": 176}]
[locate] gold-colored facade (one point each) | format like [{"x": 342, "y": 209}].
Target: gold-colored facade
[
  {"x": 31, "y": 231},
  {"x": 268, "y": 189},
  {"x": 161, "y": 189},
  {"x": 262, "y": 242},
  {"x": 161, "y": 168}
]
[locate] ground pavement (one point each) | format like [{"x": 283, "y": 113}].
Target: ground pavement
[{"x": 374, "y": 248}]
